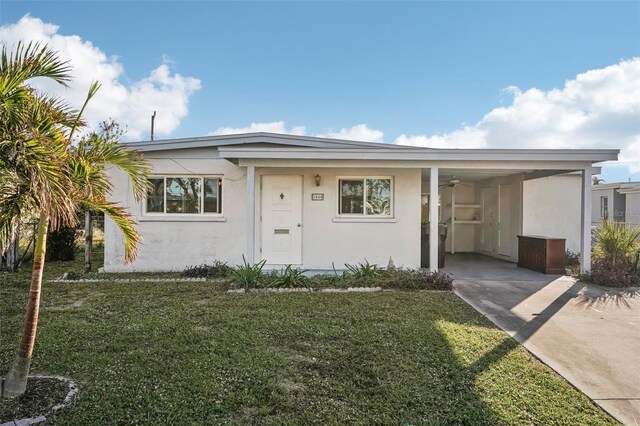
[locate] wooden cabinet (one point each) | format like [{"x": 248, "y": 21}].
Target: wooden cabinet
[{"x": 542, "y": 254}]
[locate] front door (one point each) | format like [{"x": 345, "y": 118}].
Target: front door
[{"x": 282, "y": 219}]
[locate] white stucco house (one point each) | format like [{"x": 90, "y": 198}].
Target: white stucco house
[
  {"x": 315, "y": 202},
  {"x": 619, "y": 201}
]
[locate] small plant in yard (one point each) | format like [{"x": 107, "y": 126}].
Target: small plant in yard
[
  {"x": 248, "y": 276},
  {"x": 573, "y": 263},
  {"x": 363, "y": 271},
  {"x": 217, "y": 269},
  {"x": 416, "y": 279},
  {"x": 289, "y": 277},
  {"x": 61, "y": 244},
  {"x": 327, "y": 281}
]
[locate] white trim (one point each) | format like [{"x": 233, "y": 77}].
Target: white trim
[
  {"x": 433, "y": 219},
  {"x": 585, "y": 222},
  {"x": 517, "y": 167},
  {"x": 251, "y": 213},
  {"x": 369, "y": 219},
  {"x": 182, "y": 218},
  {"x": 385, "y": 153}
]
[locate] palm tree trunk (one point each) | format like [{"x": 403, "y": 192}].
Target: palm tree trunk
[{"x": 15, "y": 383}]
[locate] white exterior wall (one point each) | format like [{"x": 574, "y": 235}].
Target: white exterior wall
[
  {"x": 597, "y": 193},
  {"x": 551, "y": 208},
  {"x": 171, "y": 243},
  {"x": 632, "y": 214},
  {"x": 327, "y": 239}
]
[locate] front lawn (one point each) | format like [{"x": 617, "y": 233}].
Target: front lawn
[{"x": 187, "y": 353}]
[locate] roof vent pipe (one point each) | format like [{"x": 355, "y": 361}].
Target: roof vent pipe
[{"x": 153, "y": 119}]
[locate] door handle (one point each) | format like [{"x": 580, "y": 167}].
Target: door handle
[{"x": 299, "y": 225}]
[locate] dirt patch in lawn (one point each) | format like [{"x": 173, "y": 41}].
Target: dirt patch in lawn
[{"x": 41, "y": 396}]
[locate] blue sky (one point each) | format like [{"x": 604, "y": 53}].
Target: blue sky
[{"x": 419, "y": 69}]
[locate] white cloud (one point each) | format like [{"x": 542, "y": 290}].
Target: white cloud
[
  {"x": 132, "y": 104},
  {"x": 271, "y": 127},
  {"x": 358, "y": 132},
  {"x": 597, "y": 109}
]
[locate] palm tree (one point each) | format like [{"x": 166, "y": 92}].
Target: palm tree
[
  {"x": 46, "y": 172},
  {"x": 596, "y": 180}
]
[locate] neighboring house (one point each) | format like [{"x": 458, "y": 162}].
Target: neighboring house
[
  {"x": 619, "y": 202},
  {"x": 317, "y": 203}
]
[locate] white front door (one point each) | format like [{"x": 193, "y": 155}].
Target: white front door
[
  {"x": 504, "y": 220},
  {"x": 281, "y": 212}
]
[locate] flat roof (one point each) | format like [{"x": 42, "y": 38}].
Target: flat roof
[{"x": 251, "y": 146}]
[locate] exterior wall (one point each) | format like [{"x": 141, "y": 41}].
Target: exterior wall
[
  {"x": 633, "y": 208},
  {"x": 172, "y": 243},
  {"x": 329, "y": 241},
  {"x": 617, "y": 203},
  {"x": 619, "y": 206},
  {"x": 597, "y": 194},
  {"x": 516, "y": 183},
  {"x": 552, "y": 207}
]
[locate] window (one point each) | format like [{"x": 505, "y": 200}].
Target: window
[
  {"x": 604, "y": 207},
  {"x": 184, "y": 195},
  {"x": 366, "y": 196}
]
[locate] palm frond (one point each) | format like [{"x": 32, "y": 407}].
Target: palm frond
[
  {"x": 123, "y": 221},
  {"x": 30, "y": 61},
  {"x": 93, "y": 89}
]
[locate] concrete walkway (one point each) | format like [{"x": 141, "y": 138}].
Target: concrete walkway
[{"x": 588, "y": 334}]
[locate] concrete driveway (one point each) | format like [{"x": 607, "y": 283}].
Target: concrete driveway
[{"x": 589, "y": 335}]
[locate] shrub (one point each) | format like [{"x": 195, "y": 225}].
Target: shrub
[
  {"x": 616, "y": 239},
  {"x": 289, "y": 277},
  {"x": 363, "y": 271},
  {"x": 61, "y": 244},
  {"x": 327, "y": 280},
  {"x": 613, "y": 271},
  {"x": 217, "y": 269},
  {"x": 573, "y": 263},
  {"x": 248, "y": 276},
  {"x": 417, "y": 279},
  {"x": 616, "y": 255}
]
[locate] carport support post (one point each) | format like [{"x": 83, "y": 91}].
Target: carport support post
[
  {"x": 433, "y": 220},
  {"x": 251, "y": 212},
  {"x": 585, "y": 222}
]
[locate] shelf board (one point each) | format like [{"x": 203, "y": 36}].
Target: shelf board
[
  {"x": 467, "y": 206},
  {"x": 467, "y": 222}
]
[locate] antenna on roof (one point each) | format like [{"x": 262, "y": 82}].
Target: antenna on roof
[{"x": 153, "y": 119}]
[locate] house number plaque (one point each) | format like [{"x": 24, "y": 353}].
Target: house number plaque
[{"x": 317, "y": 197}]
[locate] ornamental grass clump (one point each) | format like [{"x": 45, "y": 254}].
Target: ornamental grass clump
[
  {"x": 289, "y": 277},
  {"x": 248, "y": 276},
  {"x": 365, "y": 274},
  {"x": 616, "y": 255}
]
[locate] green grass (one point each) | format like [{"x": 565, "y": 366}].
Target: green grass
[{"x": 187, "y": 353}]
